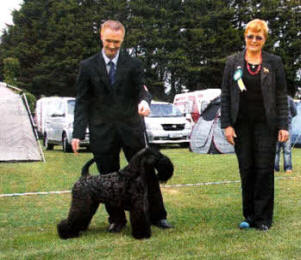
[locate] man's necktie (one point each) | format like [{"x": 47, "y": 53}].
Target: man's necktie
[{"x": 112, "y": 72}]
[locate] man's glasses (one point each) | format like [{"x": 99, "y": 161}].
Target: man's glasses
[{"x": 257, "y": 37}]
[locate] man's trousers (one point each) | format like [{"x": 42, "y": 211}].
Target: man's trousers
[{"x": 110, "y": 162}]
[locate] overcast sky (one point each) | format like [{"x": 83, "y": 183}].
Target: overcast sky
[{"x": 6, "y": 7}]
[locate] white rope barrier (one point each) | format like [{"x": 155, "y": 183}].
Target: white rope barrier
[
  {"x": 197, "y": 184},
  {"x": 163, "y": 186},
  {"x": 34, "y": 193},
  {"x": 217, "y": 182}
]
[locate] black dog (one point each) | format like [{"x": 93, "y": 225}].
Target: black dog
[{"x": 127, "y": 189}]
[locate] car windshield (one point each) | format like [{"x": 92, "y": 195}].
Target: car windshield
[
  {"x": 164, "y": 110},
  {"x": 71, "y": 104}
]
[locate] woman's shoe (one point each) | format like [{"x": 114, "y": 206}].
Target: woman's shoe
[
  {"x": 262, "y": 227},
  {"x": 244, "y": 225}
]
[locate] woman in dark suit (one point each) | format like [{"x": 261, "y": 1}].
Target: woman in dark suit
[{"x": 254, "y": 115}]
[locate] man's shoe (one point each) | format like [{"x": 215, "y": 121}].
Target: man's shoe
[
  {"x": 262, "y": 227},
  {"x": 115, "y": 227},
  {"x": 289, "y": 171},
  {"x": 162, "y": 223}
]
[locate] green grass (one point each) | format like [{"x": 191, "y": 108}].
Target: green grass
[{"x": 205, "y": 217}]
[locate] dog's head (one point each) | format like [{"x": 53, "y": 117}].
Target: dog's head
[
  {"x": 164, "y": 168},
  {"x": 151, "y": 159}
]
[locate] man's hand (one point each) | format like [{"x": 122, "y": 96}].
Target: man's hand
[
  {"x": 230, "y": 134},
  {"x": 143, "y": 108},
  {"x": 283, "y": 136},
  {"x": 75, "y": 145}
]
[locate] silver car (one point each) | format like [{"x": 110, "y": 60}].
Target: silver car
[
  {"x": 59, "y": 116},
  {"x": 167, "y": 125}
]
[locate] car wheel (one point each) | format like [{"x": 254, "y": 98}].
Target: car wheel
[
  {"x": 184, "y": 145},
  {"x": 66, "y": 146},
  {"x": 46, "y": 144},
  {"x": 154, "y": 146}
]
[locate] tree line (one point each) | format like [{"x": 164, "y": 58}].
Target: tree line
[{"x": 182, "y": 43}]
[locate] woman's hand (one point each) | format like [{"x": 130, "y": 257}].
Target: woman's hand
[
  {"x": 283, "y": 136},
  {"x": 230, "y": 134}
]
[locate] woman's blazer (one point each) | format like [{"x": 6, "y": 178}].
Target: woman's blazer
[{"x": 273, "y": 87}]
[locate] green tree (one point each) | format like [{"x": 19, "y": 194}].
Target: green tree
[
  {"x": 183, "y": 43},
  {"x": 50, "y": 38},
  {"x": 283, "y": 18},
  {"x": 11, "y": 70}
]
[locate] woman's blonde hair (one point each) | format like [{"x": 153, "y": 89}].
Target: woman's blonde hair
[{"x": 257, "y": 25}]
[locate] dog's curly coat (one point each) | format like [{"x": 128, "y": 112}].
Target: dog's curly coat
[{"x": 126, "y": 189}]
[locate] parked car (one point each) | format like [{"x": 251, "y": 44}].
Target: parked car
[
  {"x": 54, "y": 119},
  {"x": 296, "y": 126},
  {"x": 166, "y": 124},
  {"x": 192, "y": 104}
]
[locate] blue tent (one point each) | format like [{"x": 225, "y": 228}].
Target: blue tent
[{"x": 296, "y": 126}]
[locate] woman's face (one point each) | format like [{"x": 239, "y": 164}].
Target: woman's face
[{"x": 254, "y": 41}]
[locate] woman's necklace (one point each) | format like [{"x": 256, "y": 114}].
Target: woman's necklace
[
  {"x": 253, "y": 66},
  {"x": 253, "y": 72}
]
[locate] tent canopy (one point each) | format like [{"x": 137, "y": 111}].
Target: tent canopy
[
  {"x": 18, "y": 139},
  {"x": 296, "y": 126},
  {"x": 207, "y": 135}
]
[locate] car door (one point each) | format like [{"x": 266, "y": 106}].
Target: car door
[
  {"x": 59, "y": 119},
  {"x": 49, "y": 110},
  {"x": 55, "y": 120}
]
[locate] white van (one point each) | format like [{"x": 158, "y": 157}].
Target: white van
[
  {"x": 193, "y": 103},
  {"x": 54, "y": 119},
  {"x": 167, "y": 125}
]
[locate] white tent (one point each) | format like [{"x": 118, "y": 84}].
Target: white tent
[
  {"x": 207, "y": 135},
  {"x": 18, "y": 138}
]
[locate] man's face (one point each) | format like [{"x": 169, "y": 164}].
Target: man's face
[{"x": 111, "y": 41}]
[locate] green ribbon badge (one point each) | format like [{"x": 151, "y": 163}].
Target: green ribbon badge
[{"x": 238, "y": 74}]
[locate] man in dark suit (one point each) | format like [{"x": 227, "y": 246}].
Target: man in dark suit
[{"x": 111, "y": 99}]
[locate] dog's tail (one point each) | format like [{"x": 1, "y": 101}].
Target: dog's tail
[{"x": 85, "y": 169}]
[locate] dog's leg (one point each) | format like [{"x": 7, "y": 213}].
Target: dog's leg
[
  {"x": 92, "y": 209},
  {"x": 156, "y": 206},
  {"x": 79, "y": 217},
  {"x": 139, "y": 219},
  {"x": 67, "y": 228}
]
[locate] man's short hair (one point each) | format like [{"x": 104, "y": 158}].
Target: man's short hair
[{"x": 113, "y": 25}]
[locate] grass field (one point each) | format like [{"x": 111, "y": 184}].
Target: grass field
[{"x": 205, "y": 217}]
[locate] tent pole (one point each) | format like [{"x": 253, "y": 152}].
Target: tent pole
[
  {"x": 14, "y": 88},
  {"x": 32, "y": 125},
  {"x": 299, "y": 135}
]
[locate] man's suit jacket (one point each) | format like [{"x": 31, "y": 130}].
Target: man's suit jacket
[
  {"x": 273, "y": 87},
  {"x": 105, "y": 108}
]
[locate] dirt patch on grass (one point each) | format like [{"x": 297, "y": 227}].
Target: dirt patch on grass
[{"x": 170, "y": 191}]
